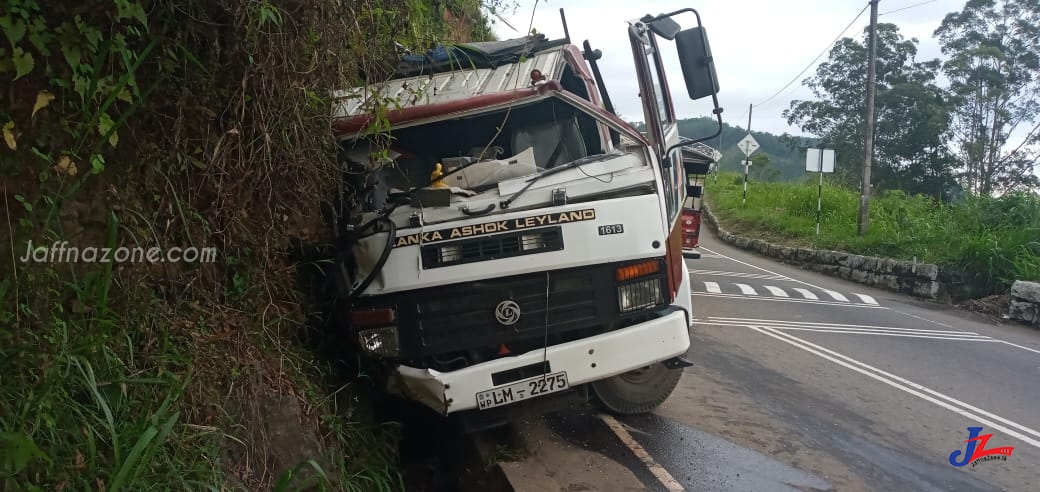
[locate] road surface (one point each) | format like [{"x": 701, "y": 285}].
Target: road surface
[{"x": 806, "y": 382}]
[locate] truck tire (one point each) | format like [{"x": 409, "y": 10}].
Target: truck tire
[{"x": 637, "y": 391}]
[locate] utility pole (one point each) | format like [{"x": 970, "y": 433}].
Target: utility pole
[
  {"x": 747, "y": 155},
  {"x": 864, "y": 193}
]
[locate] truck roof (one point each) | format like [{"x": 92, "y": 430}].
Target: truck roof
[{"x": 453, "y": 79}]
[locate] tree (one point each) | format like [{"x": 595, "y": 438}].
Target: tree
[
  {"x": 994, "y": 49},
  {"x": 912, "y": 115},
  {"x": 762, "y": 169}
]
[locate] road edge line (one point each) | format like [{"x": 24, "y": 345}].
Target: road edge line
[{"x": 659, "y": 472}]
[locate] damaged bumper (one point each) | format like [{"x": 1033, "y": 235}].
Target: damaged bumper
[{"x": 583, "y": 361}]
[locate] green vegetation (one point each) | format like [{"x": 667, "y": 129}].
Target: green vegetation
[
  {"x": 186, "y": 123},
  {"x": 964, "y": 124},
  {"x": 786, "y": 158},
  {"x": 997, "y": 240}
]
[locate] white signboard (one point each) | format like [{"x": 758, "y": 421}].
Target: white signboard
[
  {"x": 748, "y": 145},
  {"x": 813, "y": 164}
]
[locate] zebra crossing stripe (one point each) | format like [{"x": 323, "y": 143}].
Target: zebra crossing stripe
[
  {"x": 747, "y": 290},
  {"x": 867, "y": 299},
  {"x": 712, "y": 287},
  {"x": 838, "y": 296},
  {"x": 776, "y": 291},
  {"x": 806, "y": 293}
]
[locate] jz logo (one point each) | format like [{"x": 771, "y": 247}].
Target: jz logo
[{"x": 976, "y": 449}]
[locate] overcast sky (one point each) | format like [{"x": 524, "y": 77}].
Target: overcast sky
[{"x": 758, "y": 45}]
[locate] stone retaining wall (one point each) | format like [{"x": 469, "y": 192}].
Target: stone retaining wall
[
  {"x": 1025, "y": 302},
  {"x": 918, "y": 279}
]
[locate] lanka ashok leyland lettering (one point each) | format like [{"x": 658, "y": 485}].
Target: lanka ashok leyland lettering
[{"x": 515, "y": 245}]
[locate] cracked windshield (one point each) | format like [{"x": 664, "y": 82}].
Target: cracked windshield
[{"x": 520, "y": 245}]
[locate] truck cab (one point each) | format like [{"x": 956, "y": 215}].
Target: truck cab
[{"x": 515, "y": 242}]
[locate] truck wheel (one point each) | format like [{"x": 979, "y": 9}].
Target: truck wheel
[{"x": 637, "y": 391}]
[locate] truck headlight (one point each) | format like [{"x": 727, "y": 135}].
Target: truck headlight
[
  {"x": 380, "y": 341},
  {"x": 640, "y": 295}
]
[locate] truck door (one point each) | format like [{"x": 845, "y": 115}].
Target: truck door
[{"x": 663, "y": 131}]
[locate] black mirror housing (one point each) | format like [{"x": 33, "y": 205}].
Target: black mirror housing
[
  {"x": 698, "y": 67},
  {"x": 664, "y": 27}
]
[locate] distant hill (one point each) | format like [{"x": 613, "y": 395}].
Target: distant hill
[{"x": 788, "y": 162}]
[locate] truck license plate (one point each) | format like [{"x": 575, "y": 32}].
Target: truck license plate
[{"x": 522, "y": 390}]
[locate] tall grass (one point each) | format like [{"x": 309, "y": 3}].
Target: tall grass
[{"x": 995, "y": 239}]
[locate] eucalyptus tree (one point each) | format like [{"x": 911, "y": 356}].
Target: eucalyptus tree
[
  {"x": 911, "y": 113},
  {"x": 994, "y": 57}
]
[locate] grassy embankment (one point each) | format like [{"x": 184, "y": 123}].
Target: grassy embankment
[
  {"x": 995, "y": 239},
  {"x": 186, "y": 123}
]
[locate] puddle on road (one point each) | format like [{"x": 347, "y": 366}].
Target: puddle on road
[{"x": 696, "y": 459}]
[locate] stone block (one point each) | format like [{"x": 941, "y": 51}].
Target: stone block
[
  {"x": 805, "y": 255},
  {"x": 1026, "y": 291},
  {"x": 1027, "y": 312},
  {"x": 928, "y": 271},
  {"x": 889, "y": 282},
  {"x": 825, "y": 269},
  {"x": 928, "y": 289},
  {"x": 887, "y": 266},
  {"x": 870, "y": 263}
]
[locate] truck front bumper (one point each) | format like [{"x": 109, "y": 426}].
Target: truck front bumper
[{"x": 586, "y": 360}]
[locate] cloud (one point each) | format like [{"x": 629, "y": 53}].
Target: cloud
[{"x": 758, "y": 46}]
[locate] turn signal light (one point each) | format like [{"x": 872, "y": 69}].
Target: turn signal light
[
  {"x": 371, "y": 318},
  {"x": 629, "y": 272}
]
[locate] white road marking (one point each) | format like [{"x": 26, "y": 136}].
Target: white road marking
[
  {"x": 717, "y": 273},
  {"x": 662, "y": 475},
  {"x": 806, "y": 293},
  {"x": 1019, "y": 431},
  {"x": 879, "y": 331},
  {"x": 1019, "y": 346},
  {"x": 812, "y": 297},
  {"x": 865, "y": 298},
  {"x": 735, "y": 274},
  {"x": 747, "y": 290},
  {"x": 763, "y": 269},
  {"x": 712, "y": 287},
  {"x": 781, "y": 323},
  {"x": 776, "y": 291},
  {"x": 837, "y": 296},
  {"x": 782, "y": 299},
  {"x": 885, "y": 334}
]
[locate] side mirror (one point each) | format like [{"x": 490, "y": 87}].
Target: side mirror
[
  {"x": 698, "y": 67},
  {"x": 665, "y": 27}
]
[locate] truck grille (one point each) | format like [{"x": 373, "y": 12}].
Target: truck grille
[
  {"x": 460, "y": 317},
  {"x": 506, "y": 245}
]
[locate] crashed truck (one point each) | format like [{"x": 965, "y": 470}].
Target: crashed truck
[{"x": 515, "y": 245}]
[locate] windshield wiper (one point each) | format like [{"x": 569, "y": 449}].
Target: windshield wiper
[{"x": 570, "y": 165}]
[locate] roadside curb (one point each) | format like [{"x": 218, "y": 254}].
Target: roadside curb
[
  {"x": 482, "y": 471},
  {"x": 511, "y": 476},
  {"x": 924, "y": 280}
]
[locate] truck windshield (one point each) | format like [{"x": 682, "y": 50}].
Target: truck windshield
[{"x": 531, "y": 139}]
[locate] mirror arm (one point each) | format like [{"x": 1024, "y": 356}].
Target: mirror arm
[
  {"x": 677, "y": 12},
  {"x": 718, "y": 117}
]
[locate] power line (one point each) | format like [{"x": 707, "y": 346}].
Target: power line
[
  {"x": 807, "y": 67},
  {"x": 906, "y": 8}
]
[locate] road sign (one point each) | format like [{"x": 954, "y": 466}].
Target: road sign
[
  {"x": 814, "y": 162},
  {"x": 748, "y": 145}
]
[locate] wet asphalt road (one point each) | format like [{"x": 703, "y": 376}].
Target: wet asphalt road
[{"x": 804, "y": 382}]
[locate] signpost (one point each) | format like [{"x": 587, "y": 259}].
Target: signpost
[
  {"x": 821, "y": 161},
  {"x": 748, "y": 145}
]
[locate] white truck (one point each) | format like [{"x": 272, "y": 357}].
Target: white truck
[{"x": 516, "y": 245}]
